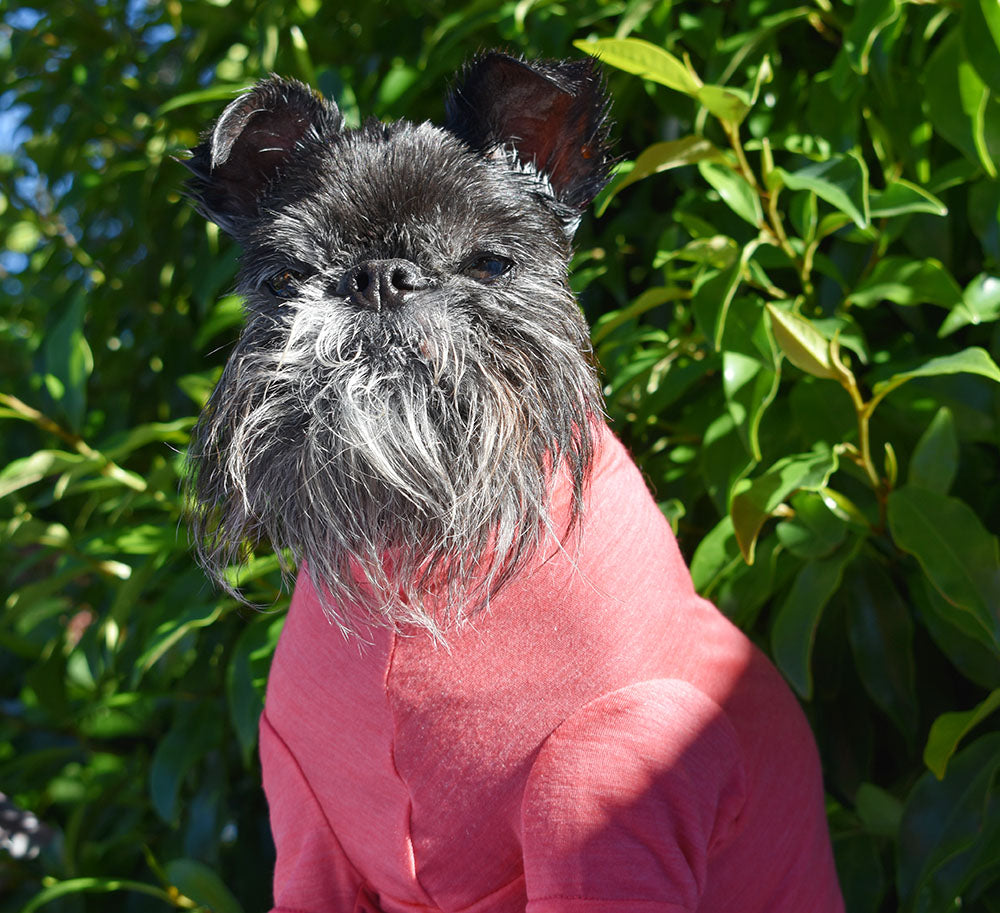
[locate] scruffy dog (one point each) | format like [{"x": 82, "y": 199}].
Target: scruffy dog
[{"x": 526, "y": 705}]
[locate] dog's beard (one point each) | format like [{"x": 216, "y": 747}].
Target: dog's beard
[{"x": 409, "y": 463}]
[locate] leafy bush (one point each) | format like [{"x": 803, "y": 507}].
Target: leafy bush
[{"x": 798, "y": 329}]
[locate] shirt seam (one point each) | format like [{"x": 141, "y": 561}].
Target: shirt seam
[
  {"x": 604, "y": 900},
  {"x": 319, "y": 805},
  {"x": 395, "y": 769}
]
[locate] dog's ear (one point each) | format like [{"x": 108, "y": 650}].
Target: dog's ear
[
  {"x": 554, "y": 114},
  {"x": 248, "y": 147}
]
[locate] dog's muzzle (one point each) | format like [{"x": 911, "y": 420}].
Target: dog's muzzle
[{"x": 378, "y": 284}]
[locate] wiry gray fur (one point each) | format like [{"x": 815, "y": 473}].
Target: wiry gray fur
[{"x": 406, "y": 454}]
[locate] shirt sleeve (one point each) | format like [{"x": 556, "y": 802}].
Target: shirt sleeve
[
  {"x": 627, "y": 800},
  {"x": 312, "y": 874}
]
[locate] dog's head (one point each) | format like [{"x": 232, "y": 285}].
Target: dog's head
[{"x": 414, "y": 368}]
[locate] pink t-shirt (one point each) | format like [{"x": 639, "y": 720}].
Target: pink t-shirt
[{"x": 600, "y": 739}]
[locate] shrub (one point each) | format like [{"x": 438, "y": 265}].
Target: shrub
[{"x": 798, "y": 329}]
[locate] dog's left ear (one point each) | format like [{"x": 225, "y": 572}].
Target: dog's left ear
[
  {"x": 554, "y": 114},
  {"x": 250, "y": 146}
]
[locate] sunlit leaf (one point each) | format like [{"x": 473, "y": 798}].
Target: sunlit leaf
[
  {"x": 980, "y": 304},
  {"x": 736, "y": 193},
  {"x": 802, "y": 344},
  {"x": 814, "y": 530},
  {"x": 93, "y": 886},
  {"x": 870, "y": 18},
  {"x": 757, "y": 500},
  {"x": 28, "y": 470},
  {"x": 650, "y": 298},
  {"x": 901, "y": 197},
  {"x": 841, "y": 180},
  {"x": 662, "y": 157},
  {"x": 727, "y": 104},
  {"x": 633, "y": 55},
  {"x": 905, "y": 281},
  {"x": 957, "y": 100},
  {"x": 981, "y": 39},
  {"x": 969, "y": 361}
]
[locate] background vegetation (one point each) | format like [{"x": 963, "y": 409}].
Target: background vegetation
[{"x": 798, "y": 329}]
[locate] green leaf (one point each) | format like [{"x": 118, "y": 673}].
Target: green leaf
[
  {"x": 880, "y": 630},
  {"x": 199, "y": 386},
  {"x": 749, "y": 369},
  {"x": 193, "y": 733},
  {"x": 172, "y": 630},
  {"x": 216, "y": 93},
  {"x": 950, "y": 728},
  {"x": 968, "y": 647},
  {"x": 662, "y": 157},
  {"x": 647, "y": 300},
  {"x": 727, "y": 104},
  {"x": 901, "y": 197},
  {"x": 870, "y": 18},
  {"x": 93, "y": 886},
  {"x": 801, "y": 343},
  {"x": 69, "y": 361},
  {"x": 969, "y": 361},
  {"x": 121, "y": 445},
  {"x": 879, "y": 811},
  {"x": 794, "y": 628},
  {"x": 246, "y": 677},
  {"x": 955, "y": 551},
  {"x": 755, "y": 501},
  {"x": 736, "y": 193},
  {"x": 633, "y": 55},
  {"x": 747, "y": 588},
  {"x": 198, "y": 882},
  {"x": 859, "y": 871},
  {"x": 981, "y": 39},
  {"x": 119, "y": 715},
  {"x": 814, "y": 531},
  {"x": 957, "y": 101},
  {"x": 841, "y": 180},
  {"x": 950, "y": 831},
  {"x": 716, "y": 555},
  {"x": 28, "y": 470},
  {"x": 905, "y": 281},
  {"x": 935, "y": 458},
  {"x": 981, "y": 304},
  {"x": 228, "y": 312},
  {"x": 714, "y": 296}
]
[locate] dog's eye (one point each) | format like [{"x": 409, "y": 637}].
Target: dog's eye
[
  {"x": 488, "y": 267},
  {"x": 284, "y": 284}
]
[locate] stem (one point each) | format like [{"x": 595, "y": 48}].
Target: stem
[
  {"x": 109, "y": 468},
  {"x": 775, "y": 224},
  {"x": 733, "y": 133},
  {"x": 864, "y": 411}
]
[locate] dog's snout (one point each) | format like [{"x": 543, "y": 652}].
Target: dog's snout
[{"x": 378, "y": 284}]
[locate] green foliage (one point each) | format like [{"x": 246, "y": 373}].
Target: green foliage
[{"x": 794, "y": 284}]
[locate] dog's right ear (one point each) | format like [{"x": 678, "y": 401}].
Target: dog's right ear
[{"x": 249, "y": 146}]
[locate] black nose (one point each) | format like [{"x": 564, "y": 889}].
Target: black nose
[{"x": 378, "y": 284}]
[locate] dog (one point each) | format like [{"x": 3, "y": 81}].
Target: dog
[{"x": 496, "y": 688}]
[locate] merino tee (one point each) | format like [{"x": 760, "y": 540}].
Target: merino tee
[{"x": 600, "y": 739}]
